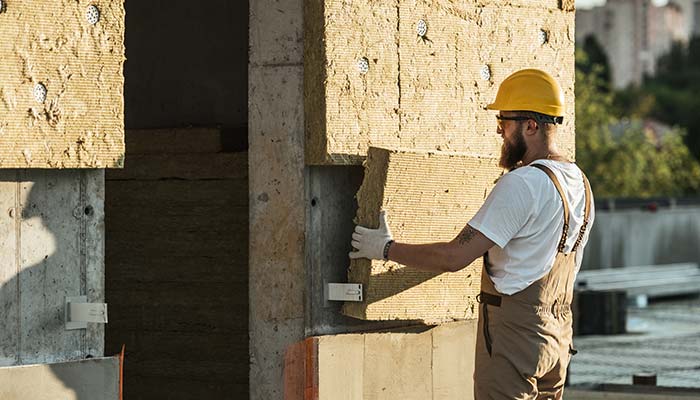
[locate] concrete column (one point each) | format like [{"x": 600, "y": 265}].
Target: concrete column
[{"x": 277, "y": 190}]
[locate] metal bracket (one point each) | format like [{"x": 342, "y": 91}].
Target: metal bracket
[
  {"x": 343, "y": 292},
  {"x": 79, "y": 312}
]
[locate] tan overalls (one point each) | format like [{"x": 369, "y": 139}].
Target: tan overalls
[{"x": 524, "y": 341}]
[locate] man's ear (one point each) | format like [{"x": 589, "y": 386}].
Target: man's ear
[{"x": 532, "y": 127}]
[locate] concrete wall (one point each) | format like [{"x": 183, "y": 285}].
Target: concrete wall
[
  {"x": 301, "y": 215},
  {"x": 51, "y": 246},
  {"x": 634, "y": 237},
  {"x": 277, "y": 188},
  {"x": 176, "y": 266}
]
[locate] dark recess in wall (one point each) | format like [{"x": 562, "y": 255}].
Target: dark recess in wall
[
  {"x": 187, "y": 66},
  {"x": 176, "y": 217}
]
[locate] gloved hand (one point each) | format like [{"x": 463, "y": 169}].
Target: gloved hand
[{"x": 370, "y": 242}]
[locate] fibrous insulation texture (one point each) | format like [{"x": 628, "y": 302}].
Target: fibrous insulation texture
[
  {"x": 418, "y": 74},
  {"x": 61, "y": 84},
  {"x": 428, "y": 197}
]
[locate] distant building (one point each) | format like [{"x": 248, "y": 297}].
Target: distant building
[
  {"x": 635, "y": 33},
  {"x": 690, "y": 10},
  {"x": 696, "y": 18}
]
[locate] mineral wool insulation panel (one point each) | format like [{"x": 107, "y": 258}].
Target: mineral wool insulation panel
[
  {"x": 418, "y": 74},
  {"x": 429, "y": 197},
  {"x": 61, "y": 84}
]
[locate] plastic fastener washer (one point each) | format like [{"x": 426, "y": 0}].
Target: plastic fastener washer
[
  {"x": 421, "y": 28},
  {"x": 542, "y": 37},
  {"x": 363, "y": 65},
  {"x": 92, "y": 14},
  {"x": 40, "y": 92},
  {"x": 485, "y": 72}
]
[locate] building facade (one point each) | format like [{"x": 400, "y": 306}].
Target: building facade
[{"x": 635, "y": 33}]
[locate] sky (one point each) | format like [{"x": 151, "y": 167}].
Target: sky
[{"x": 585, "y": 4}]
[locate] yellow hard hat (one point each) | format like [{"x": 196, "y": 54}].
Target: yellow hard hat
[{"x": 530, "y": 90}]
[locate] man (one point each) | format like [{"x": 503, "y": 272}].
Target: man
[{"x": 531, "y": 230}]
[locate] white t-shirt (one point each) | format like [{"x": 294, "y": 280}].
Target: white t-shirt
[{"x": 524, "y": 216}]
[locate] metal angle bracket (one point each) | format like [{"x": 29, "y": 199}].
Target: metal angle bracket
[
  {"x": 79, "y": 312},
  {"x": 343, "y": 291}
]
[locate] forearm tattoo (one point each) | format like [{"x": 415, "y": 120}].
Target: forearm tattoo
[{"x": 467, "y": 235}]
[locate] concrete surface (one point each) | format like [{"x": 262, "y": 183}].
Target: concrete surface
[
  {"x": 93, "y": 379},
  {"x": 52, "y": 246},
  {"x": 622, "y": 238},
  {"x": 663, "y": 338},
  {"x": 329, "y": 225},
  {"x": 277, "y": 274},
  {"x": 428, "y": 197},
  {"x": 628, "y": 393},
  {"x": 80, "y": 124},
  {"x": 359, "y": 110}
]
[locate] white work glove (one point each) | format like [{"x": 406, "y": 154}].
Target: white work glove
[{"x": 370, "y": 242}]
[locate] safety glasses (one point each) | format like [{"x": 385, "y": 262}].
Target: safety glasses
[{"x": 501, "y": 118}]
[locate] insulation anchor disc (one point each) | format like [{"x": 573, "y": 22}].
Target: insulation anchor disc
[
  {"x": 92, "y": 14},
  {"x": 40, "y": 92},
  {"x": 421, "y": 28}
]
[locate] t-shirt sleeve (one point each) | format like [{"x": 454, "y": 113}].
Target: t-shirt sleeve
[{"x": 506, "y": 210}]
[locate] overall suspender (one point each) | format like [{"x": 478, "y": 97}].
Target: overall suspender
[{"x": 587, "y": 210}]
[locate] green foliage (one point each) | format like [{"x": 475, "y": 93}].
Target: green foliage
[
  {"x": 620, "y": 157},
  {"x": 595, "y": 62},
  {"x": 674, "y": 91}
]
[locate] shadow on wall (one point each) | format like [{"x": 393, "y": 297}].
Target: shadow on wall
[{"x": 43, "y": 259}]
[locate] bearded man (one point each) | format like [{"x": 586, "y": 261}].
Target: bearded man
[{"x": 531, "y": 231}]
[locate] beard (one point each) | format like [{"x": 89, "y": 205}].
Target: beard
[{"x": 513, "y": 152}]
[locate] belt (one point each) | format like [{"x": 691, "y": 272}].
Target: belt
[
  {"x": 496, "y": 300},
  {"x": 488, "y": 298}
]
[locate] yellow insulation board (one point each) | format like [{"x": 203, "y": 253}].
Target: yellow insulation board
[
  {"x": 429, "y": 197},
  {"x": 74, "y": 49},
  {"x": 425, "y": 92}
]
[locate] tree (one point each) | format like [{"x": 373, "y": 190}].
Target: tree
[
  {"x": 596, "y": 61},
  {"x": 674, "y": 89},
  {"x": 630, "y": 163}
]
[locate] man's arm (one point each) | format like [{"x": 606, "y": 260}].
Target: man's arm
[
  {"x": 435, "y": 257},
  {"x": 451, "y": 256}
]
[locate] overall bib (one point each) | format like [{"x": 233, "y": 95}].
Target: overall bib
[{"x": 524, "y": 340}]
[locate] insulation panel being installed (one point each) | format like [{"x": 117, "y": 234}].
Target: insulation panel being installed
[
  {"x": 429, "y": 197},
  {"x": 61, "y": 84},
  {"x": 418, "y": 74}
]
